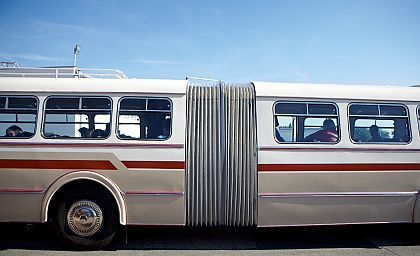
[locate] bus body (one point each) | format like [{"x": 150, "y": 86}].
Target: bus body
[{"x": 94, "y": 153}]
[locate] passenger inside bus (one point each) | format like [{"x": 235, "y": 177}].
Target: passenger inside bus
[
  {"x": 154, "y": 118},
  {"x": 16, "y": 131},
  {"x": 400, "y": 130},
  {"x": 374, "y": 133},
  {"x": 98, "y": 133},
  {"x": 327, "y": 134},
  {"x": 165, "y": 129},
  {"x": 84, "y": 132}
]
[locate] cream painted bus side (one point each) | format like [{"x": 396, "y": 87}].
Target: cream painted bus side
[
  {"x": 135, "y": 178},
  {"x": 95, "y": 153},
  {"x": 344, "y": 180}
]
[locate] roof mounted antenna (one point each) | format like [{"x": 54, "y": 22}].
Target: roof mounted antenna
[{"x": 77, "y": 49}]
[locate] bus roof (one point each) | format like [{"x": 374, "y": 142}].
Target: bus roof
[
  {"x": 337, "y": 91},
  {"x": 166, "y": 86},
  {"x": 82, "y": 85}
]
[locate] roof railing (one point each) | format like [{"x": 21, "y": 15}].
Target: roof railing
[
  {"x": 4, "y": 64},
  {"x": 62, "y": 72}
]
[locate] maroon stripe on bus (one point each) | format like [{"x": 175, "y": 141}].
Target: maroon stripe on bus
[
  {"x": 335, "y": 148},
  {"x": 155, "y": 164},
  {"x": 57, "y": 164},
  {"x": 339, "y": 167},
  {"x": 89, "y": 144}
]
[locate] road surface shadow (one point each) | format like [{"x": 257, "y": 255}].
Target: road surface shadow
[{"x": 42, "y": 237}]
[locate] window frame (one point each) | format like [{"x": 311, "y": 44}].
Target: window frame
[
  {"x": 379, "y": 117},
  {"x": 7, "y": 109},
  {"x": 418, "y": 118},
  {"x": 146, "y": 98},
  {"x": 307, "y": 115},
  {"x": 79, "y": 110}
]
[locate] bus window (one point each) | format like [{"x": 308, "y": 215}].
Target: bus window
[
  {"x": 310, "y": 122},
  {"x": 18, "y": 116},
  {"x": 77, "y": 117},
  {"x": 378, "y": 123},
  {"x": 144, "y": 118},
  {"x": 418, "y": 117}
]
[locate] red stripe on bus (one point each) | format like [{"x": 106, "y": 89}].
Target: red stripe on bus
[
  {"x": 335, "y": 148},
  {"x": 155, "y": 164},
  {"x": 338, "y": 167},
  {"x": 57, "y": 164},
  {"x": 89, "y": 144}
]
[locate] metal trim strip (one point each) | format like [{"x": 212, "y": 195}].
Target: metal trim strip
[
  {"x": 338, "y": 167},
  {"x": 22, "y": 190},
  {"x": 339, "y": 194},
  {"x": 332, "y": 224},
  {"x": 152, "y": 193},
  {"x": 154, "y": 164}
]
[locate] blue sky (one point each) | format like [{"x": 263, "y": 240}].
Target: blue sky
[{"x": 348, "y": 42}]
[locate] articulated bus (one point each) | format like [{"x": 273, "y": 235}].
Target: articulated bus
[{"x": 91, "y": 153}]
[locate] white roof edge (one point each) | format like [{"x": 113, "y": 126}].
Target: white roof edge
[
  {"x": 336, "y": 91},
  {"x": 81, "y": 85}
]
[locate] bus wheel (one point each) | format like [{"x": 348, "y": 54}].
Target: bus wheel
[{"x": 85, "y": 218}]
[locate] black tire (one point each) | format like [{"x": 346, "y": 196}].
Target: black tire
[{"x": 85, "y": 218}]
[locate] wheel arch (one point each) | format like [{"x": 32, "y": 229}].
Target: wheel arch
[{"x": 83, "y": 177}]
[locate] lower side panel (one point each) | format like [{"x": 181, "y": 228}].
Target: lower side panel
[
  {"x": 155, "y": 209},
  {"x": 318, "y": 210},
  {"x": 20, "y": 207}
]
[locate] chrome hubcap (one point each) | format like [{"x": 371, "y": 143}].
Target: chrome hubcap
[{"x": 84, "y": 218}]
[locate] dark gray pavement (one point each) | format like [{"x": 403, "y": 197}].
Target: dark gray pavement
[{"x": 390, "y": 239}]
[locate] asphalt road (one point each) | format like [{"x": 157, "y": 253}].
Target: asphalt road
[{"x": 395, "y": 239}]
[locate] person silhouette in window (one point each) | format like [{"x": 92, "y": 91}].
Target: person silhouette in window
[
  {"x": 166, "y": 123},
  {"x": 374, "y": 133},
  {"x": 327, "y": 134},
  {"x": 84, "y": 132},
  {"x": 16, "y": 131}
]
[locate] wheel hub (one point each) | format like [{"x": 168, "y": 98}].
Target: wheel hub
[{"x": 84, "y": 218}]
